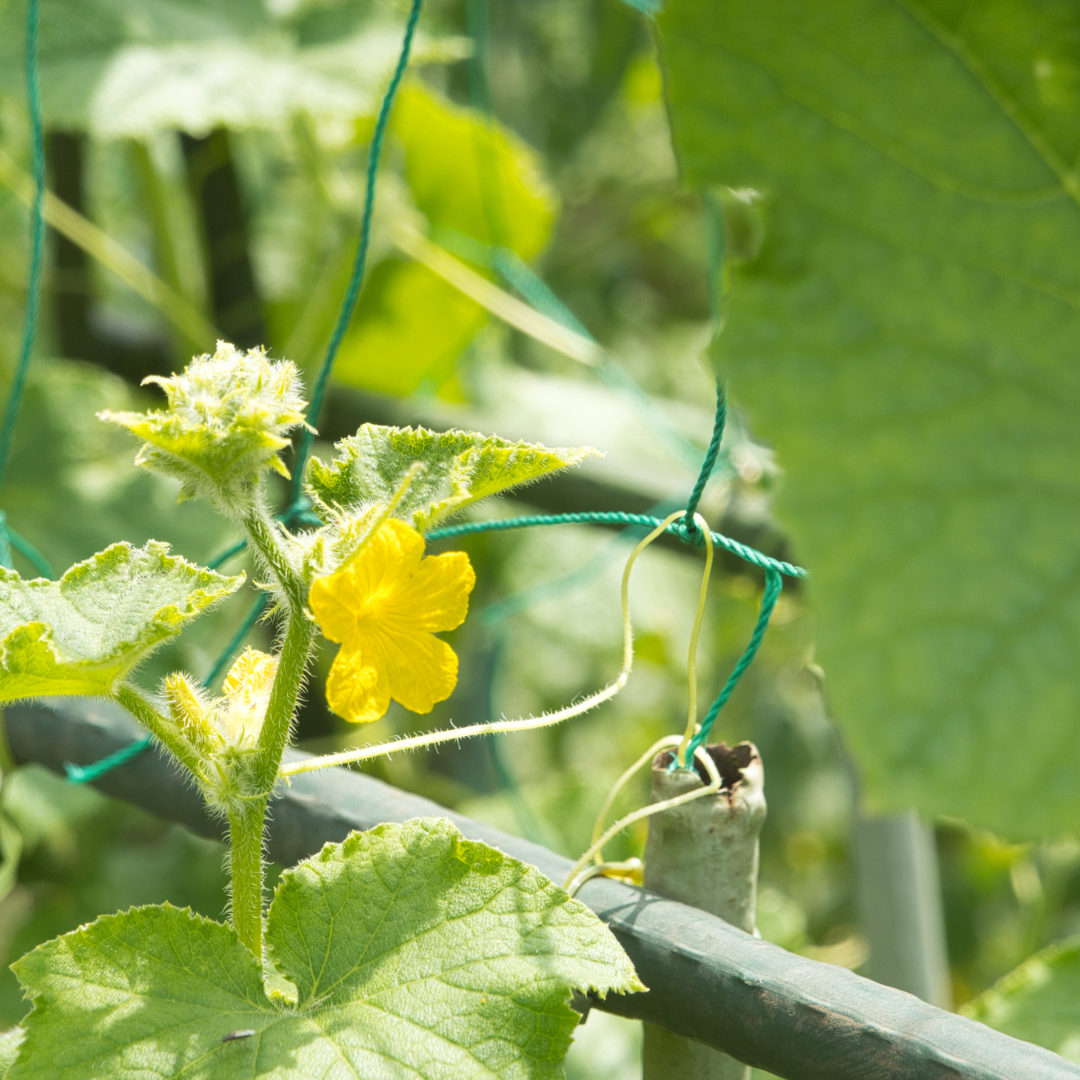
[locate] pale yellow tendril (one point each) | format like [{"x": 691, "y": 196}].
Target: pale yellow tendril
[
  {"x": 571, "y": 884},
  {"x": 578, "y": 876},
  {"x": 495, "y": 727}
]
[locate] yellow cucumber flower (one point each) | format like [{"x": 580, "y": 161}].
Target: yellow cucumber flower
[{"x": 385, "y": 608}]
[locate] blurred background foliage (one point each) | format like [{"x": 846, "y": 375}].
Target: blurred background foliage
[{"x": 223, "y": 146}]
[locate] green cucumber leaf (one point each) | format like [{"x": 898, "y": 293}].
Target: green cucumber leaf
[
  {"x": 226, "y": 421},
  {"x": 10, "y": 1041},
  {"x": 906, "y": 340},
  {"x": 1039, "y": 1002},
  {"x": 84, "y": 633},
  {"x": 416, "y": 953},
  {"x": 409, "y": 313},
  {"x": 460, "y": 467}
]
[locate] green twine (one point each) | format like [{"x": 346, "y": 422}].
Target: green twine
[
  {"x": 356, "y": 279},
  {"x": 37, "y": 248},
  {"x": 748, "y": 554},
  {"x": 85, "y": 774},
  {"x": 773, "y": 584},
  {"x": 693, "y": 532}
]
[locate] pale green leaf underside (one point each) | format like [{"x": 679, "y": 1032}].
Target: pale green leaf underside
[
  {"x": 1039, "y": 1002},
  {"x": 460, "y": 467},
  {"x": 907, "y": 340},
  {"x": 416, "y": 954},
  {"x": 83, "y": 633}
]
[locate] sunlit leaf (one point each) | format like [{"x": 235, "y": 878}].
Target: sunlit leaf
[
  {"x": 906, "y": 339},
  {"x": 1039, "y": 1002},
  {"x": 415, "y": 952},
  {"x": 471, "y": 174},
  {"x": 409, "y": 330},
  {"x": 83, "y": 633},
  {"x": 474, "y": 178},
  {"x": 460, "y": 467}
]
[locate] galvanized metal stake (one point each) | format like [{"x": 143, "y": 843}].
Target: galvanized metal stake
[
  {"x": 899, "y": 899},
  {"x": 705, "y": 853}
]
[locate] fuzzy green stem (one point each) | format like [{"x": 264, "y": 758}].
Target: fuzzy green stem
[
  {"x": 283, "y": 694},
  {"x": 137, "y": 704},
  {"x": 265, "y": 538},
  {"x": 246, "y": 872}
]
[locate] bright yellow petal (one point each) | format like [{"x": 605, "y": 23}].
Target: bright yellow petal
[
  {"x": 247, "y": 693},
  {"x": 357, "y": 691},
  {"x": 389, "y": 559},
  {"x": 341, "y": 601},
  {"x": 334, "y": 606},
  {"x": 436, "y": 596},
  {"x": 420, "y": 668}
]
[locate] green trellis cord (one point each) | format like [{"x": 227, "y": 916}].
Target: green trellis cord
[
  {"x": 8, "y": 538},
  {"x": 615, "y": 517},
  {"x": 773, "y": 584},
  {"x": 352, "y": 293}
]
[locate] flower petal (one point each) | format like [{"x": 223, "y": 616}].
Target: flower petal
[
  {"x": 357, "y": 691},
  {"x": 436, "y": 596},
  {"x": 420, "y": 668},
  {"x": 334, "y": 604}
]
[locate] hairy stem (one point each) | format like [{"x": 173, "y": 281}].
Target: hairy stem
[
  {"x": 286, "y": 689},
  {"x": 246, "y": 872},
  {"x": 143, "y": 710},
  {"x": 265, "y": 538}
]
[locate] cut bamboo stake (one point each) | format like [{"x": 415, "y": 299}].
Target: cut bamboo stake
[{"x": 705, "y": 853}]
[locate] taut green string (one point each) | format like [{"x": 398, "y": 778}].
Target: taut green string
[
  {"x": 773, "y": 584},
  {"x": 33, "y": 300},
  {"x": 356, "y": 279},
  {"x": 749, "y": 554}
]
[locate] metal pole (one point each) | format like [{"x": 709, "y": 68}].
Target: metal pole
[
  {"x": 899, "y": 898},
  {"x": 705, "y": 854}
]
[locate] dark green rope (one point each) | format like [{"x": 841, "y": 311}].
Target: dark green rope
[
  {"x": 86, "y": 774},
  {"x": 356, "y": 279},
  {"x": 693, "y": 531},
  {"x": 37, "y": 249},
  {"x": 676, "y": 528},
  {"x": 228, "y": 553},
  {"x": 773, "y": 584},
  {"x": 29, "y": 552}
]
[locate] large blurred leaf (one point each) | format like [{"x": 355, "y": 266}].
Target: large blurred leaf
[
  {"x": 1039, "y": 1001},
  {"x": 467, "y": 174},
  {"x": 907, "y": 339}
]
